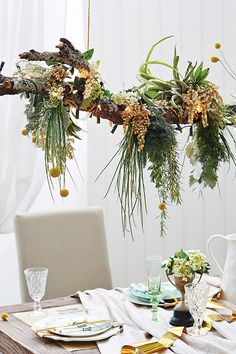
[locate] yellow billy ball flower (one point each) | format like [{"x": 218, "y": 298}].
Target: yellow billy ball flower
[
  {"x": 162, "y": 206},
  {"x": 64, "y": 193},
  {"x": 24, "y": 132},
  {"x": 4, "y": 316},
  {"x": 214, "y": 59},
  {"x": 217, "y": 45},
  {"x": 54, "y": 172},
  {"x": 34, "y": 138}
]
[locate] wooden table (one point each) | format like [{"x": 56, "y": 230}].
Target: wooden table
[{"x": 16, "y": 337}]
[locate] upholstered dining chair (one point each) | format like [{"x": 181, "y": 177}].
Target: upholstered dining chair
[{"x": 71, "y": 244}]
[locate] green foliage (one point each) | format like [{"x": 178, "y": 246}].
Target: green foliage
[
  {"x": 181, "y": 254},
  {"x": 129, "y": 180},
  {"x": 50, "y": 62},
  {"x": 213, "y": 149},
  {"x": 107, "y": 93},
  {"x": 153, "y": 88},
  {"x": 52, "y": 127},
  {"x": 88, "y": 54},
  {"x": 162, "y": 156}
]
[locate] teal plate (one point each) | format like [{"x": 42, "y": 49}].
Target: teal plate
[{"x": 140, "y": 292}]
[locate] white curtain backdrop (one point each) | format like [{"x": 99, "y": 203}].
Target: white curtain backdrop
[
  {"x": 21, "y": 164},
  {"x": 27, "y": 24}
]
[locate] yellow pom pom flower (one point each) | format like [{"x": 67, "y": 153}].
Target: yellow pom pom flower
[
  {"x": 24, "y": 132},
  {"x": 217, "y": 45},
  {"x": 214, "y": 59},
  {"x": 54, "y": 172},
  {"x": 4, "y": 316},
  {"x": 64, "y": 193},
  {"x": 162, "y": 206},
  {"x": 34, "y": 138}
]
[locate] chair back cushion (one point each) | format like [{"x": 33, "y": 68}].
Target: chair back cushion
[{"x": 71, "y": 244}]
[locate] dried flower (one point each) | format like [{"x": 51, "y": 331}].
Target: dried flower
[
  {"x": 139, "y": 118},
  {"x": 214, "y": 59},
  {"x": 201, "y": 100},
  {"x": 64, "y": 193},
  {"x": 55, "y": 94},
  {"x": 217, "y": 45},
  {"x": 54, "y": 172},
  {"x": 4, "y": 316},
  {"x": 162, "y": 206},
  {"x": 24, "y": 132},
  {"x": 56, "y": 74},
  {"x": 92, "y": 89}
]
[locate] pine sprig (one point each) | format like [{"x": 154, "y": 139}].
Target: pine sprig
[{"x": 212, "y": 151}]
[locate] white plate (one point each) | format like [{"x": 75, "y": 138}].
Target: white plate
[
  {"x": 57, "y": 320},
  {"x": 84, "y": 330},
  {"x": 109, "y": 333}
]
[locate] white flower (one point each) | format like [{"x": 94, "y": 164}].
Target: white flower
[
  {"x": 123, "y": 97},
  {"x": 197, "y": 170},
  {"x": 197, "y": 260},
  {"x": 184, "y": 264},
  {"x": 192, "y": 151},
  {"x": 181, "y": 268}
]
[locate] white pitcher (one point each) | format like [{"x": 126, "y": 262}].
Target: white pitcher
[{"x": 228, "y": 275}]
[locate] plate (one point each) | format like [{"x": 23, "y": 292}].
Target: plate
[
  {"x": 46, "y": 328},
  {"x": 56, "y": 321},
  {"x": 107, "y": 334},
  {"x": 135, "y": 300},
  {"x": 138, "y": 293},
  {"x": 84, "y": 329}
]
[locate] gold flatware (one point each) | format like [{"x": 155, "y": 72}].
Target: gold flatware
[{"x": 75, "y": 324}]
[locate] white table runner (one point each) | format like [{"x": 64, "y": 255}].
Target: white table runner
[{"x": 138, "y": 326}]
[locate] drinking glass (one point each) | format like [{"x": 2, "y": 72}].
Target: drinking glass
[
  {"x": 197, "y": 296},
  {"x": 36, "y": 279},
  {"x": 154, "y": 264}
]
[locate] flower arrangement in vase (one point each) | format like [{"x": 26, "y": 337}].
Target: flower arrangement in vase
[{"x": 184, "y": 266}]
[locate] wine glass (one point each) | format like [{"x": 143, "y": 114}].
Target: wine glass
[
  {"x": 36, "y": 279},
  {"x": 154, "y": 264},
  {"x": 197, "y": 296}
]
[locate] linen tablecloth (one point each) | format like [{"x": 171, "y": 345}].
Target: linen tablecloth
[{"x": 138, "y": 326}]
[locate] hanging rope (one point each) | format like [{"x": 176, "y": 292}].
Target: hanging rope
[{"x": 88, "y": 24}]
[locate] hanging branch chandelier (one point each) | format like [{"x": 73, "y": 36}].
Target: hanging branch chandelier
[{"x": 151, "y": 114}]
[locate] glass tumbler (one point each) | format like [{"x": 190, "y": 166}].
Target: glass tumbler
[
  {"x": 154, "y": 264},
  {"x": 197, "y": 296},
  {"x": 36, "y": 279}
]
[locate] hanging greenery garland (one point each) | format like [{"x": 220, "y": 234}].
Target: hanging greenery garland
[{"x": 151, "y": 114}]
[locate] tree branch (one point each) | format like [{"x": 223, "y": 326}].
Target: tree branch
[
  {"x": 67, "y": 55},
  {"x": 73, "y": 97}
]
